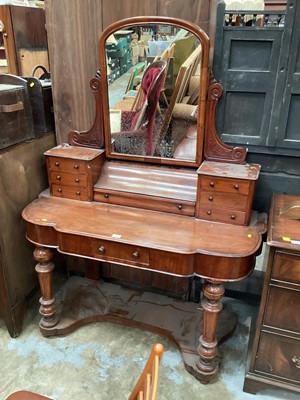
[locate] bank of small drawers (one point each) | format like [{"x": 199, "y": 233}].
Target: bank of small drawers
[
  {"x": 226, "y": 193},
  {"x": 72, "y": 171},
  {"x": 278, "y": 353}
]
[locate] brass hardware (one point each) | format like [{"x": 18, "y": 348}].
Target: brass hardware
[
  {"x": 236, "y": 186},
  {"x": 77, "y": 180},
  {"x": 101, "y": 249},
  {"x": 232, "y": 216},
  {"x": 106, "y": 195},
  {"x": 179, "y": 206},
  {"x": 136, "y": 254},
  {"x": 210, "y": 198},
  {"x": 296, "y": 360},
  {"x": 57, "y": 164},
  {"x": 208, "y": 212},
  {"x": 58, "y": 177},
  {"x": 76, "y": 166},
  {"x": 59, "y": 190},
  {"x": 78, "y": 193},
  {"x": 212, "y": 183}
]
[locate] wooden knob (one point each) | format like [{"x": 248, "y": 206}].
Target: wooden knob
[
  {"x": 58, "y": 177},
  {"x": 77, "y": 180},
  {"x": 78, "y": 193},
  {"x": 76, "y": 166},
  {"x": 212, "y": 183},
  {"x": 236, "y": 186},
  {"x": 210, "y": 198},
  {"x": 101, "y": 249},
  {"x": 106, "y": 195},
  {"x": 59, "y": 190},
  {"x": 136, "y": 254},
  {"x": 57, "y": 164},
  {"x": 232, "y": 216},
  {"x": 209, "y": 212},
  {"x": 179, "y": 206}
]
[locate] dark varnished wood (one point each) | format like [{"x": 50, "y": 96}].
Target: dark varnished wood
[{"x": 274, "y": 357}]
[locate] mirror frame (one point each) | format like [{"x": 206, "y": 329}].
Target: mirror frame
[{"x": 204, "y": 78}]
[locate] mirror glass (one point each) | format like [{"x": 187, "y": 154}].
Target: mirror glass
[{"x": 153, "y": 77}]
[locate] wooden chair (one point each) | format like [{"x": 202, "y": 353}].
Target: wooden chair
[{"x": 145, "y": 388}]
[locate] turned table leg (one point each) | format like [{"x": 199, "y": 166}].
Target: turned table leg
[
  {"x": 212, "y": 306},
  {"x": 44, "y": 269}
]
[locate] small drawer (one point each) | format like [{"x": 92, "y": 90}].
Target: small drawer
[
  {"x": 278, "y": 356},
  {"x": 69, "y": 192},
  {"x": 235, "y": 201},
  {"x": 68, "y": 179},
  {"x": 286, "y": 267},
  {"x": 119, "y": 252},
  {"x": 218, "y": 214},
  {"x": 278, "y": 313},
  {"x": 67, "y": 165},
  {"x": 224, "y": 185},
  {"x": 181, "y": 207}
]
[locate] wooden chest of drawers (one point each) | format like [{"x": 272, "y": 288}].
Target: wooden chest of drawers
[
  {"x": 226, "y": 191},
  {"x": 73, "y": 171},
  {"x": 274, "y": 351}
]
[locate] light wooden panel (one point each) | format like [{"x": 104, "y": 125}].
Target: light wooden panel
[
  {"x": 73, "y": 27},
  {"x": 114, "y": 10},
  {"x": 30, "y": 58}
]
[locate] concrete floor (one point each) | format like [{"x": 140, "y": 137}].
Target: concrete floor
[{"x": 103, "y": 360}]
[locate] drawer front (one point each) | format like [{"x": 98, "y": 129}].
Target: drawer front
[
  {"x": 282, "y": 309},
  {"x": 118, "y": 252},
  {"x": 235, "y": 201},
  {"x": 225, "y": 185},
  {"x": 278, "y": 356},
  {"x": 286, "y": 267},
  {"x": 68, "y": 179},
  {"x": 219, "y": 214},
  {"x": 67, "y": 165},
  {"x": 148, "y": 203},
  {"x": 69, "y": 192}
]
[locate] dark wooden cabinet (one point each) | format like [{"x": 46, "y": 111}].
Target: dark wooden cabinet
[{"x": 275, "y": 355}]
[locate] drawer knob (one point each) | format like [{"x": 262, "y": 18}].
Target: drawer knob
[
  {"x": 58, "y": 177},
  {"x": 232, "y": 216},
  {"x": 296, "y": 361},
  {"x": 212, "y": 183},
  {"x": 106, "y": 195},
  {"x": 57, "y": 164},
  {"x": 236, "y": 186},
  {"x": 77, "y": 180},
  {"x": 136, "y": 254},
  {"x": 76, "y": 166},
  {"x": 179, "y": 206},
  {"x": 59, "y": 190},
  {"x": 78, "y": 193},
  {"x": 210, "y": 198},
  {"x": 101, "y": 249},
  {"x": 209, "y": 212}
]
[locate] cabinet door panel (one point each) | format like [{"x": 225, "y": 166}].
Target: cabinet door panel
[{"x": 286, "y": 267}]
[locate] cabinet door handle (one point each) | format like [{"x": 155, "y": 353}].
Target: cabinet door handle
[
  {"x": 101, "y": 249},
  {"x": 209, "y": 212},
  {"x": 210, "y": 198},
  {"x": 57, "y": 164},
  {"x": 179, "y": 206},
  {"x": 78, "y": 193},
  {"x": 212, "y": 183},
  {"x": 236, "y": 186},
  {"x": 106, "y": 195},
  {"x": 77, "y": 180},
  {"x": 296, "y": 361},
  {"x": 58, "y": 177},
  {"x": 232, "y": 216},
  {"x": 76, "y": 166},
  {"x": 136, "y": 254},
  {"x": 59, "y": 190}
]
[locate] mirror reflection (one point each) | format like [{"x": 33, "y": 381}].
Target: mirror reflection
[{"x": 153, "y": 74}]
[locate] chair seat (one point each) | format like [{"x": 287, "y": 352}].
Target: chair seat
[{"x": 24, "y": 395}]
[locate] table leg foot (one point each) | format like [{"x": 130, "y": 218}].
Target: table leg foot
[{"x": 44, "y": 269}]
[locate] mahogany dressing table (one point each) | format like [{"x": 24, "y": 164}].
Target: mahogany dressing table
[{"x": 145, "y": 208}]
